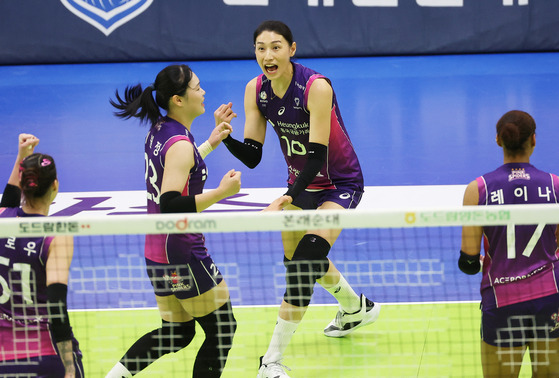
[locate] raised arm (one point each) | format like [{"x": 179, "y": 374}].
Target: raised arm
[
  {"x": 12, "y": 193},
  {"x": 223, "y": 116},
  {"x": 250, "y": 151},
  {"x": 179, "y": 160}
]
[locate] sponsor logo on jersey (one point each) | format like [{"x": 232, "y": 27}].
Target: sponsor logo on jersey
[
  {"x": 518, "y": 174},
  {"x": 281, "y": 110},
  {"x": 104, "y": 15},
  {"x": 345, "y": 196}
]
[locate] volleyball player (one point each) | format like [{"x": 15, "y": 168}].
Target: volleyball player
[
  {"x": 520, "y": 280},
  {"x": 37, "y": 339},
  {"x": 188, "y": 285},
  {"x": 323, "y": 173}
]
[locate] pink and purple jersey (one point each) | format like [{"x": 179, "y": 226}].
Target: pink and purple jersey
[
  {"x": 160, "y": 138},
  {"x": 290, "y": 119},
  {"x": 521, "y": 262},
  {"x": 24, "y": 327}
]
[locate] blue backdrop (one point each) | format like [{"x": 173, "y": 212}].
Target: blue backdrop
[{"x": 71, "y": 31}]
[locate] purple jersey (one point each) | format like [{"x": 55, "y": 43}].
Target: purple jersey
[
  {"x": 290, "y": 119},
  {"x": 160, "y": 138},
  {"x": 521, "y": 262},
  {"x": 24, "y": 328}
]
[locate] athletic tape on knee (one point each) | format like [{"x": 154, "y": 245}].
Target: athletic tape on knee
[{"x": 308, "y": 264}]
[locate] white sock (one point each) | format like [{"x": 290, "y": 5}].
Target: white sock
[
  {"x": 281, "y": 337},
  {"x": 119, "y": 371},
  {"x": 349, "y": 301}
]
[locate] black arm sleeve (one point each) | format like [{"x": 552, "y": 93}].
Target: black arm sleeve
[
  {"x": 469, "y": 264},
  {"x": 249, "y": 152},
  {"x": 173, "y": 202},
  {"x": 11, "y": 196},
  {"x": 58, "y": 312},
  {"x": 316, "y": 158}
]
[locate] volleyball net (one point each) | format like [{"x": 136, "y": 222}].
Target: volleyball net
[{"x": 406, "y": 260}]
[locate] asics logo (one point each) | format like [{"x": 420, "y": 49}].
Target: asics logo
[
  {"x": 281, "y": 110},
  {"x": 345, "y": 196}
]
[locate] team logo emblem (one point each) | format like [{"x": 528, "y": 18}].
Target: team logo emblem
[
  {"x": 297, "y": 101},
  {"x": 518, "y": 174},
  {"x": 263, "y": 95},
  {"x": 106, "y": 15}
]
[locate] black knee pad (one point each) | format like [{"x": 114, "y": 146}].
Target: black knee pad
[
  {"x": 309, "y": 263},
  {"x": 220, "y": 327}
]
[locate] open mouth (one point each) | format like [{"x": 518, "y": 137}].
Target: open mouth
[{"x": 271, "y": 68}]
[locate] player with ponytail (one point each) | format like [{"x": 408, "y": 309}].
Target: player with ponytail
[
  {"x": 34, "y": 274},
  {"x": 175, "y": 178}
]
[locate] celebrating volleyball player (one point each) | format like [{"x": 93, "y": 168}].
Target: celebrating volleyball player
[
  {"x": 323, "y": 173},
  {"x": 520, "y": 281},
  {"x": 188, "y": 286},
  {"x": 37, "y": 339}
]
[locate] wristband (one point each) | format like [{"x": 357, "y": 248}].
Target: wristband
[{"x": 204, "y": 149}]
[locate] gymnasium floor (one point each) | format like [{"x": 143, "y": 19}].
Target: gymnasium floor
[{"x": 422, "y": 126}]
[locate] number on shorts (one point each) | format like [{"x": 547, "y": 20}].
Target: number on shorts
[{"x": 214, "y": 269}]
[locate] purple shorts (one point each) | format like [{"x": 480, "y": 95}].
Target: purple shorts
[
  {"x": 346, "y": 196},
  {"x": 183, "y": 280},
  {"x": 517, "y": 324},
  {"x": 42, "y": 366}
]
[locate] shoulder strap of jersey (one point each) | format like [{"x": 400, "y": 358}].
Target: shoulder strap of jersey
[{"x": 482, "y": 190}]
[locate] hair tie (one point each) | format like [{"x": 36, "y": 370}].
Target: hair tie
[{"x": 45, "y": 163}]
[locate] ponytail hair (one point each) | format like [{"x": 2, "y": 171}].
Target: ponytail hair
[
  {"x": 38, "y": 172},
  {"x": 140, "y": 103},
  {"x": 514, "y": 129}
]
